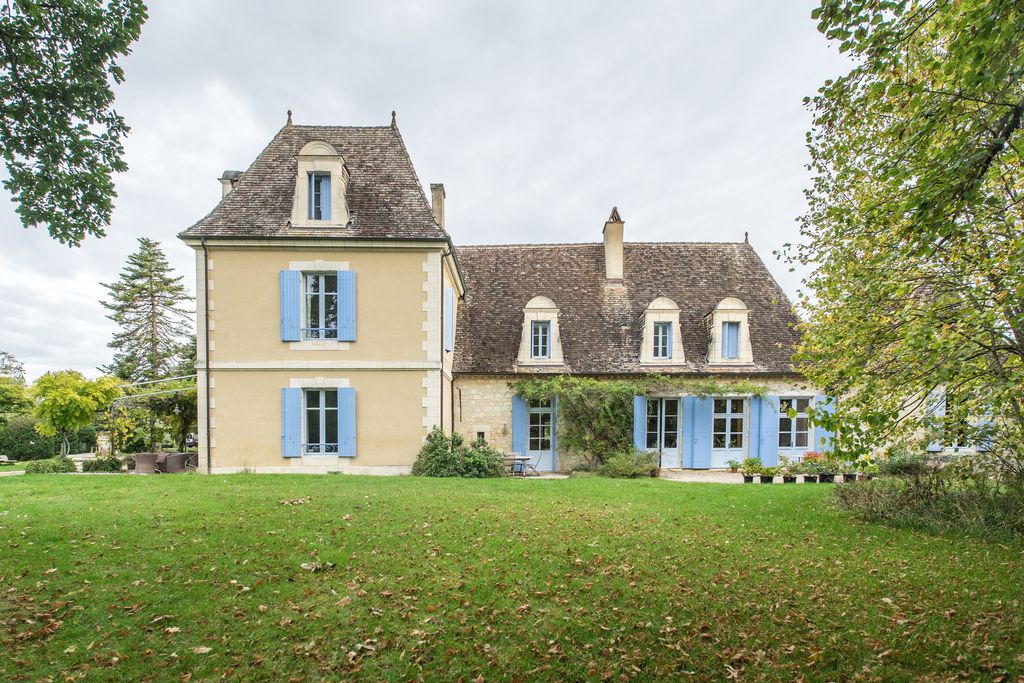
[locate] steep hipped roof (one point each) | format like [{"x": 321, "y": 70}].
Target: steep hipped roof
[
  {"x": 385, "y": 198},
  {"x": 601, "y": 326}
]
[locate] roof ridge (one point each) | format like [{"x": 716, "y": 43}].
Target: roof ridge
[{"x": 597, "y": 244}]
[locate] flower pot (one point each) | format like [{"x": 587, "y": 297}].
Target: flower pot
[
  {"x": 767, "y": 480},
  {"x": 748, "y": 479},
  {"x": 847, "y": 478},
  {"x": 789, "y": 479},
  {"x": 810, "y": 478},
  {"x": 864, "y": 477},
  {"x": 826, "y": 478},
  {"x": 733, "y": 470}
]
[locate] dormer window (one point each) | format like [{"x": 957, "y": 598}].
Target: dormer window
[
  {"x": 729, "y": 333},
  {"x": 321, "y": 181},
  {"x": 541, "y": 343},
  {"x": 663, "y": 340},
  {"x": 320, "y": 196},
  {"x": 662, "y": 343},
  {"x": 730, "y": 340},
  {"x": 540, "y": 339}
]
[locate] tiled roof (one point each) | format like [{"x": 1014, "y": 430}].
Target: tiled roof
[
  {"x": 601, "y": 326},
  {"x": 385, "y": 198}
]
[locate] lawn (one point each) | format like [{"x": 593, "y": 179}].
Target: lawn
[{"x": 198, "y": 577}]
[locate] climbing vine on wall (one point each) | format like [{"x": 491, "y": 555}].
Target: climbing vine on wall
[{"x": 595, "y": 416}]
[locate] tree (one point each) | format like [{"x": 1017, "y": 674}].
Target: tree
[
  {"x": 66, "y": 401},
  {"x": 60, "y": 136},
  {"x": 916, "y": 221},
  {"x": 11, "y": 366},
  {"x": 154, "y": 329}
]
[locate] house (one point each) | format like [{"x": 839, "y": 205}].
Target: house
[{"x": 339, "y": 324}]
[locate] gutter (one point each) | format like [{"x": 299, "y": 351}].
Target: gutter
[{"x": 206, "y": 347}]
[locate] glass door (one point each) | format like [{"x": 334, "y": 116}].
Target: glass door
[
  {"x": 729, "y": 422},
  {"x": 540, "y": 420},
  {"x": 663, "y": 430}
]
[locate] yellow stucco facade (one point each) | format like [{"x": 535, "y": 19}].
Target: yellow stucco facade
[{"x": 397, "y": 363}]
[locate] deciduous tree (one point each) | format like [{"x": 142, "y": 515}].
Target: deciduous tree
[
  {"x": 59, "y": 134},
  {"x": 916, "y": 220},
  {"x": 66, "y": 401}
]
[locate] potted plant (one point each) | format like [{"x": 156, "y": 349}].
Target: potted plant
[
  {"x": 826, "y": 470},
  {"x": 849, "y": 471},
  {"x": 809, "y": 467},
  {"x": 866, "y": 467},
  {"x": 733, "y": 465},
  {"x": 787, "y": 469},
  {"x": 750, "y": 468},
  {"x": 768, "y": 474}
]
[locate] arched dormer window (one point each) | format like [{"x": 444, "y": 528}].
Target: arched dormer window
[
  {"x": 541, "y": 342},
  {"x": 662, "y": 342},
  {"x": 729, "y": 333},
  {"x": 320, "y": 186}
]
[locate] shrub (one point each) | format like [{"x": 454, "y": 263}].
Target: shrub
[
  {"x": 102, "y": 465},
  {"x": 50, "y": 466},
  {"x": 581, "y": 467},
  {"x": 905, "y": 464},
  {"x": 950, "y": 500},
  {"x": 444, "y": 456},
  {"x": 630, "y": 464},
  {"x": 20, "y": 440}
]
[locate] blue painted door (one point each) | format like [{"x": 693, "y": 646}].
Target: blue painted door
[{"x": 540, "y": 433}]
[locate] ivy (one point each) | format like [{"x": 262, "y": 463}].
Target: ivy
[{"x": 596, "y": 415}]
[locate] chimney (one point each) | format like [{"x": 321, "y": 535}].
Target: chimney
[
  {"x": 228, "y": 180},
  {"x": 613, "y": 248},
  {"x": 437, "y": 196}
]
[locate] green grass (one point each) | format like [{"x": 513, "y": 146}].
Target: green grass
[{"x": 165, "y": 578}]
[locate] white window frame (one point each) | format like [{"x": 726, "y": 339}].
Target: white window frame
[
  {"x": 315, "y": 194},
  {"x": 539, "y": 408},
  {"x": 729, "y": 416},
  {"x": 540, "y": 334},
  {"x": 321, "y": 446},
  {"x": 793, "y": 431},
  {"x": 321, "y": 333},
  {"x": 662, "y": 339}
]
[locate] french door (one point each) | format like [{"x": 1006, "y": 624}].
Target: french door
[
  {"x": 540, "y": 419},
  {"x": 663, "y": 429},
  {"x": 728, "y": 430}
]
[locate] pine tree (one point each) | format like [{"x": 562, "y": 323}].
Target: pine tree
[{"x": 147, "y": 303}]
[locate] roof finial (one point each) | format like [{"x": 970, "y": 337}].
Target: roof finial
[
  {"x": 746, "y": 237},
  {"x": 394, "y": 121},
  {"x": 289, "y": 118}
]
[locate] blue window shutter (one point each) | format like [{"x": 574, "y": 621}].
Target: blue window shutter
[
  {"x": 291, "y": 422},
  {"x": 325, "y": 197},
  {"x": 518, "y": 425},
  {"x": 935, "y": 410},
  {"x": 449, "y": 318},
  {"x": 768, "y": 427},
  {"x": 640, "y": 422},
  {"x": 822, "y": 436},
  {"x": 702, "y": 409},
  {"x": 554, "y": 434},
  {"x": 689, "y": 403},
  {"x": 346, "y": 421},
  {"x": 291, "y": 304},
  {"x": 346, "y": 305}
]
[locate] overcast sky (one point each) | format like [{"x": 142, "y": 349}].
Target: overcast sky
[{"x": 537, "y": 116}]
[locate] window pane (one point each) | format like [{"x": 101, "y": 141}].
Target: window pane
[
  {"x": 313, "y": 312},
  {"x": 801, "y": 424},
  {"x": 802, "y": 404},
  {"x": 785, "y": 404},
  {"x": 785, "y": 424},
  {"x": 534, "y": 431},
  {"x": 737, "y": 405},
  {"x": 312, "y": 398},
  {"x": 671, "y": 436},
  {"x": 671, "y": 407},
  {"x": 331, "y": 314},
  {"x": 801, "y": 439},
  {"x": 736, "y": 425},
  {"x": 718, "y": 441},
  {"x": 312, "y": 284},
  {"x": 720, "y": 404},
  {"x": 313, "y": 426},
  {"x": 331, "y": 398},
  {"x": 330, "y": 284},
  {"x": 652, "y": 439},
  {"x": 735, "y": 441},
  {"x": 719, "y": 426},
  {"x": 331, "y": 429},
  {"x": 785, "y": 440}
]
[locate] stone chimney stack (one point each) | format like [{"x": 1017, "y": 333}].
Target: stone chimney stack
[
  {"x": 437, "y": 196},
  {"x": 613, "y": 229},
  {"x": 228, "y": 180}
]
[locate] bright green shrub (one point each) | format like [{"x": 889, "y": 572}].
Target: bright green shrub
[
  {"x": 630, "y": 464},
  {"x": 448, "y": 456},
  {"x": 102, "y": 465},
  {"x": 50, "y": 466}
]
